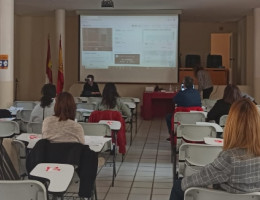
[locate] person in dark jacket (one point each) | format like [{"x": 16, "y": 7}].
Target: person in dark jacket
[
  {"x": 91, "y": 88},
  {"x": 222, "y": 106}
]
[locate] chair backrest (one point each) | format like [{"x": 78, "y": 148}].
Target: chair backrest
[
  {"x": 24, "y": 115},
  {"x": 95, "y": 129},
  {"x": 192, "y": 60},
  {"x": 94, "y": 100},
  {"x": 189, "y": 117},
  {"x": 208, "y": 103},
  {"x": 197, "y": 155},
  {"x": 195, "y": 133},
  {"x": 29, "y": 105},
  {"x": 127, "y": 99},
  {"x": 79, "y": 116},
  {"x": 21, "y": 154},
  {"x": 8, "y": 128},
  {"x": 222, "y": 120},
  {"x": 89, "y": 106},
  {"x": 22, "y": 190},
  {"x": 214, "y": 61},
  {"x": 197, "y": 193},
  {"x": 34, "y": 127}
]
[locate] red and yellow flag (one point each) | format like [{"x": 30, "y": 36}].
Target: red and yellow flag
[
  {"x": 48, "y": 64},
  {"x": 60, "y": 81}
]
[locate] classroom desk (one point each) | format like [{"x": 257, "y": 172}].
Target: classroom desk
[
  {"x": 59, "y": 175},
  {"x": 96, "y": 143},
  {"x": 157, "y": 104}
]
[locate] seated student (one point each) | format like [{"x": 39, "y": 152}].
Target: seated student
[
  {"x": 110, "y": 101},
  {"x": 188, "y": 97},
  {"x": 61, "y": 127},
  {"x": 46, "y": 107},
  {"x": 91, "y": 88},
  {"x": 237, "y": 168},
  {"x": 222, "y": 106}
]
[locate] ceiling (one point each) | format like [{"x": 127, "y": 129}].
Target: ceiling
[{"x": 192, "y": 10}]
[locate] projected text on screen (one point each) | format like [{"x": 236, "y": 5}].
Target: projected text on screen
[{"x": 128, "y": 41}]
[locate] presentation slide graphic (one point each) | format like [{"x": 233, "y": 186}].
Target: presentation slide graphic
[{"x": 125, "y": 41}]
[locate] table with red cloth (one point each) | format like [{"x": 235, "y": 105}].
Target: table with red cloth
[{"x": 157, "y": 104}]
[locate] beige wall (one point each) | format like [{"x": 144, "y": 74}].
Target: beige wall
[
  {"x": 31, "y": 48},
  {"x": 195, "y": 37}
]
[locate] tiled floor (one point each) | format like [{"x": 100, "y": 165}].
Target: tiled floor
[{"x": 146, "y": 172}]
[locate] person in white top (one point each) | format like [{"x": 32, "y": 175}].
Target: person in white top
[{"x": 46, "y": 106}]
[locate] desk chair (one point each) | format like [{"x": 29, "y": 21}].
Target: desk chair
[
  {"x": 130, "y": 103},
  {"x": 208, "y": 103},
  {"x": 79, "y": 116},
  {"x": 24, "y": 116},
  {"x": 34, "y": 127},
  {"x": 23, "y": 190},
  {"x": 98, "y": 115},
  {"x": 7, "y": 130},
  {"x": 67, "y": 153},
  {"x": 134, "y": 113},
  {"x": 96, "y": 129},
  {"x": 27, "y": 105},
  {"x": 198, "y": 193},
  {"x": 192, "y": 133},
  {"x": 88, "y": 106},
  {"x": 222, "y": 120},
  {"x": 94, "y": 100},
  {"x": 194, "y": 156}
]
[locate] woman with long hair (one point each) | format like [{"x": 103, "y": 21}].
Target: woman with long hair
[
  {"x": 204, "y": 81},
  {"x": 222, "y": 106},
  {"x": 61, "y": 127},
  {"x": 237, "y": 168},
  {"x": 46, "y": 106},
  {"x": 111, "y": 100}
]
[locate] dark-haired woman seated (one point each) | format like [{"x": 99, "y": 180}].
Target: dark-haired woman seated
[
  {"x": 46, "y": 107},
  {"x": 222, "y": 106},
  {"x": 110, "y": 101}
]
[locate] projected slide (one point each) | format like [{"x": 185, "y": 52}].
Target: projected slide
[{"x": 146, "y": 41}]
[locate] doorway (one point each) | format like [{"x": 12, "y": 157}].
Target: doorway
[{"x": 220, "y": 44}]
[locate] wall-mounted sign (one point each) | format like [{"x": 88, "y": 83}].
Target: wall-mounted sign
[{"x": 3, "y": 61}]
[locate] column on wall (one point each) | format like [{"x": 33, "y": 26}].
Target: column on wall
[
  {"x": 256, "y": 54},
  {"x": 6, "y": 53},
  {"x": 60, "y": 33}
]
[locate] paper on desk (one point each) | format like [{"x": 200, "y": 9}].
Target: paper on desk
[
  {"x": 216, "y": 126},
  {"x": 7, "y": 119},
  {"x": 96, "y": 143},
  {"x": 14, "y": 110},
  {"x": 213, "y": 141},
  {"x": 84, "y": 110}
]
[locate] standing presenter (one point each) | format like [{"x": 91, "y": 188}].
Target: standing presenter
[{"x": 204, "y": 81}]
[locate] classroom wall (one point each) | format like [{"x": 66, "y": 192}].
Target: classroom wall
[{"x": 30, "y": 47}]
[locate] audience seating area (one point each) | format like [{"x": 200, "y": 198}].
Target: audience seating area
[{"x": 150, "y": 163}]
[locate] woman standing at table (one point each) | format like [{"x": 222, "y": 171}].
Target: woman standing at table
[
  {"x": 62, "y": 126},
  {"x": 110, "y": 101},
  {"x": 46, "y": 107},
  {"x": 204, "y": 81},
  {"x": 237, "y": 168}
]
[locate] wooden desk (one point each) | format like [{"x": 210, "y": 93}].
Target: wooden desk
[
  {"x": 157, "y": 104},
  {"x": 219, "y": 76}
]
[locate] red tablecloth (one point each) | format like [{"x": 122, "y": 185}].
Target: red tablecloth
[{"x": 157, "y": 104}]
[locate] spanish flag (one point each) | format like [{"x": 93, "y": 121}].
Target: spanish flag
[
  {"x": 48, "y": 64},
  {"x": 60, "y": 81}
]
